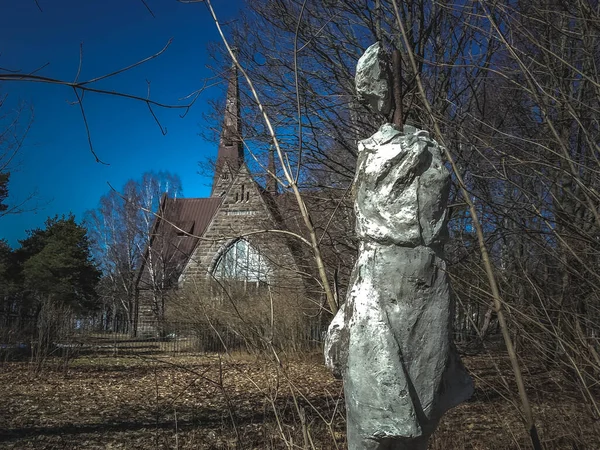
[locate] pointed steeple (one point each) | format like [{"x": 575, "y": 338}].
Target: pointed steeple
[
  {"x": 271, "y": 184},
  {"x": 230, "y": 156}
]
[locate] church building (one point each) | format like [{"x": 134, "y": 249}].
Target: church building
[{"x": 226, "y": 243}]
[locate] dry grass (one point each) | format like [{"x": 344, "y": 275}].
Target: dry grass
[{"x": 194, "y": 402}]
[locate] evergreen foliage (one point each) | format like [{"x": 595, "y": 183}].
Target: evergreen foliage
[
  {"x": 55, "y": 265},
  {"x": 6, "y": 263},
  {"x": 4, "y": 178}
]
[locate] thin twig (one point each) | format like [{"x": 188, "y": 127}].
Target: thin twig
[
  {"x": 87, "y": 128},
  {"x": 162, "y": 130},
  {"x": 135, "y": 64},
  {"x": 286, "y": 171},
  {"x": 148, "y": 8},
  {"x": 299, "y": 111},
  {"x": 29, "y": 78},
  {"x": 80, "y": 62},
  {"x": 498, "y": 302}
]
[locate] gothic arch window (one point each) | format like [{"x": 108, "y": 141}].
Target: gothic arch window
[{"x": 242, "y": 262}]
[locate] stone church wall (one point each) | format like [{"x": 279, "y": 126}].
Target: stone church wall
[{"x": 244, "y": 211}]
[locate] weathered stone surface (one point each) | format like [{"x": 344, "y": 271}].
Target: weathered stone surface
[
  {"x": 373, "y": 80},
  {"x": 400, "y": 370},
  {"x": 243, "y": 210}
]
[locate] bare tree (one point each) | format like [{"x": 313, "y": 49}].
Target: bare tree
[
  {"x": 121, "y": 228},
  {"x": 14, "y": 126},
  {"x": 512, "y": 91}
]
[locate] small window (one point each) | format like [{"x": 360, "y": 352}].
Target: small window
[
  {"x": 236, "y": 197},
  {"x": 225, "y": 175},
  {"x": 247, "y": 196}
]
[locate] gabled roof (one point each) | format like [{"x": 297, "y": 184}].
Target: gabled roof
[
  {"x": 176, "y": 232},
  {"x": 191, "y": 216}
]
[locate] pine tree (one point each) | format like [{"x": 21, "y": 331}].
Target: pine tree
[
  {"x": 4, "y": 178},
  {"x": 57, "y": 265}
]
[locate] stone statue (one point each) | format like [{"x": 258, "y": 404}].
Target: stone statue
[{"x": 391, "y": 341}]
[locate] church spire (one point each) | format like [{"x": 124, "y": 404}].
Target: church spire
[
  {"x": 231, "y": 150},
  {"x": 271, "y": 184}
]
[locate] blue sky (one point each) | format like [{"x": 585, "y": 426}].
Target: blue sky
[{"x": 55, "y": 159}]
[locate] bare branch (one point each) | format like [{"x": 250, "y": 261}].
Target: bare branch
[
  {"x": 299, "y": 111},
  {"x": 162, "y": 130},
  {"x": 80, "y": 62},
  {"x": 87, "y": 128},
  {"x": 286, "y": 170},
  {"x": 148, "y": 8},
  {"x": 136, "y": 64}
]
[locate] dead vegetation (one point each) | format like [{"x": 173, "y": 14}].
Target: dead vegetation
[{"x": 253, "y": 402}]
